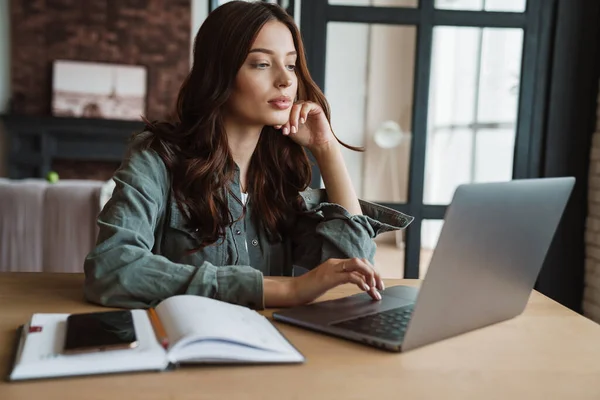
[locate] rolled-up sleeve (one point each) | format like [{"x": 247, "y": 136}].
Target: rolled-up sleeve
[
  {"x": 122, "y": 270},
  {"x": 330, "y": 231}
]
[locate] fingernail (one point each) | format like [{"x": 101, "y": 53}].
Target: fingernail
[
  {"x": 382, "y": 285},
  {"x": 378, "y": 295},
  {"x": 365, "y": 287},
  {"x": 302, "y": 120},
  {"x": 285, "y": 131},
  {"x": 293, "y": 129}
]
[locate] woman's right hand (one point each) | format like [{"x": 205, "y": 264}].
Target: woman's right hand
[{"x": 335, "y": 272}]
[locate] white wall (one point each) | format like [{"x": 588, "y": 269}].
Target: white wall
[
  {"x": 346, "y": 72},
  {"x": 390, "y": 98},
  {"x": 369, "y": 80},
  {"x": 346, "y": 90}
]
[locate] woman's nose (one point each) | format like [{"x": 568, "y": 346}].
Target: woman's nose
[{"x": 286, "y": 82}]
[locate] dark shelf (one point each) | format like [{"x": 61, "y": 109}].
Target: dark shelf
[{"x": 34, "y": 141}]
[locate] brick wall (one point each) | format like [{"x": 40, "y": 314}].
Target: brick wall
[
  {"x": 153, "y": 33},
  {"x": 591, "y": 294}
]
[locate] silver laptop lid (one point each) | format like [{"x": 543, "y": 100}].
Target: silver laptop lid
[{"x": 489, "y": 253}]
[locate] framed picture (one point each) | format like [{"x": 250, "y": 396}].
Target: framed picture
[{"x": 98, "y": 90}]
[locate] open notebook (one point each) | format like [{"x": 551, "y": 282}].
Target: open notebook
[{"x": 199, "y": 330}]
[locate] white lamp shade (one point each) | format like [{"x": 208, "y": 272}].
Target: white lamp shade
[{"x": 389, "y": 135}]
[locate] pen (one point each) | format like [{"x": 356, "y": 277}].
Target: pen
[{"x": 158, "y": 328}]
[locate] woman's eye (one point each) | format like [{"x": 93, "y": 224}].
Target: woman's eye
[
  {"x": 261, "y": 65},
  {"x": 291, "y": 67}
]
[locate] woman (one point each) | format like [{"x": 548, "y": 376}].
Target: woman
[{"x": 215, "y": 203}]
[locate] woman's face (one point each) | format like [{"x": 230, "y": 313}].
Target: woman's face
[{"x": 266, "y": 84}]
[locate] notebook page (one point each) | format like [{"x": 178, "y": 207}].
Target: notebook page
[
  {"x": 188, "y": 318},
  {"x": 220, "y": 352}
]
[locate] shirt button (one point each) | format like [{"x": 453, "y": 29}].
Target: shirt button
[
  {"x": 254, "y": 242},
  {"x": 238, "y": 232}
]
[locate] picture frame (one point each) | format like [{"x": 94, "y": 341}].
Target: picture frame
[{"x": 83, "y": 89}]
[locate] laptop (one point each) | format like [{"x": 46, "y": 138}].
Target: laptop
[{"x": 489, "y": 254}]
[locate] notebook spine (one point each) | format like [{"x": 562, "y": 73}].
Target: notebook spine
[{"x": 18, "y": 343}]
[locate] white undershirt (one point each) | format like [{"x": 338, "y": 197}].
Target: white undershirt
[{"x": 244, "y": 200}]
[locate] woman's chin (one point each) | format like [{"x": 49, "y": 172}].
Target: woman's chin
[
  {"x": 276, "y": 122},
  {"x": 278, "y": 117}
]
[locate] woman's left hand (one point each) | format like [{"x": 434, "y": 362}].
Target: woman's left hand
[{"x": 308, "y": 126}]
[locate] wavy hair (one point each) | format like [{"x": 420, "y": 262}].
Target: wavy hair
[{"x": 194, "y": 145}]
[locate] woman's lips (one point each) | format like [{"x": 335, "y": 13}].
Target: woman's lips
[{"x": 281, "y": 104}]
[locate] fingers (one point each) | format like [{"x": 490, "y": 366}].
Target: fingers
[
  {"x": 358, "y": 280},
  {"x": 306, "y": 107},
  {"x": 295, "y": 116},
  {"x": 358, "y": 271},
  {"x": 378, "y": 280},
  {"x": 358, "y": 265},
  {"x": 367, "y": 272},
  {"x": 298, "y": 115}
]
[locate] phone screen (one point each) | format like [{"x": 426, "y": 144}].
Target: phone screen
[{"x": 100, "y": 331}]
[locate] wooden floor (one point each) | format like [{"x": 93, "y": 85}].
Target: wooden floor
[{"x": 389, "y": 259}]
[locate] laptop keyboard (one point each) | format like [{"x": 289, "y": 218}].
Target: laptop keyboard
[{"x": 390, "y": 324}]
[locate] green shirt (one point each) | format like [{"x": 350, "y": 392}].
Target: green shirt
[{"x": 140, "y": 256}]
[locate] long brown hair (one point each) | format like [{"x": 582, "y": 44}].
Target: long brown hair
[{"x": 194, "y": 147}]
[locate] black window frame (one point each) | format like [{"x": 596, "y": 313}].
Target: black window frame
[{"x": 536, "y": 24}]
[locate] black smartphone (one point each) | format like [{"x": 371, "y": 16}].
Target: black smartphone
[{"x": 100, "y": 331}]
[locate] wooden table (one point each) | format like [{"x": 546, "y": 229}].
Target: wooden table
[{"x": 549, "y": 352}]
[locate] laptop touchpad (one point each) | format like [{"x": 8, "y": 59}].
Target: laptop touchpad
[{"x": 332, "y": 311}]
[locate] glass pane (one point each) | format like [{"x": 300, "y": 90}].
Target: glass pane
[
  {"x": 505, "y": 5},
  {"x": 485, "y": 5},
  {"x": 430, "y": 233},
  {"x": 499, "y": 75},
  {"x": 370, "y": 90},
  {"x": 494, "y": 156},
  {"x": 459, "y": 4},
  {"x": 473, "y": 106},
  {"x": 376, "y": 3}
]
